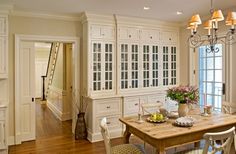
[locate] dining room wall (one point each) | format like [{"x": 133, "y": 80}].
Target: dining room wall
[{"x": 28, "y": 25}]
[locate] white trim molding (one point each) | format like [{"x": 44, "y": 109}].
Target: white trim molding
[{"x": 75, "y": 67}]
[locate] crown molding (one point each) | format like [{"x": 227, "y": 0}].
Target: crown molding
[
  {"x": 97, "y": 18},
  {"x": 6, "y": 9},
  {"x": 44, "y": 15},
  {"x": 139, "y": 22}
]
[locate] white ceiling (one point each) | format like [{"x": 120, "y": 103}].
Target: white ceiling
[{"x": 160, "y": 9}]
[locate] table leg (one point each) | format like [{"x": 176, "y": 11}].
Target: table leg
[
  {"x": 160, "y": 151},
  {"x": 197, "y": 144},
  {"x": 126, "y": 135}
]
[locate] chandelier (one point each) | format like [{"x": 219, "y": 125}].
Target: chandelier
[{"x": 212, "y": 38}]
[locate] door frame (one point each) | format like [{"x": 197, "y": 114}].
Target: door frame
[
  {"x": 75, "y": 79},
  {"x": 227, "y": 68}
]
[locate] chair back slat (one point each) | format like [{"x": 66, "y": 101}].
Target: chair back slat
[{"x": 226, "y": 138}]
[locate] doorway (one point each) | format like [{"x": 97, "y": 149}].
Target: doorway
[
  {"x": 211, "y": 76},
  {"x": 25, "y": 108}
]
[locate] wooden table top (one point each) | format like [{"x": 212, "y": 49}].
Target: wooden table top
[{"x": 167, "y": 129}]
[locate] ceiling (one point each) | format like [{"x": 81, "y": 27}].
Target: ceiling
[{"x": 159, "y": 9}]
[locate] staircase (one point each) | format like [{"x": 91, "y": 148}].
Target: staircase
[{"x": 51, "y": 65}]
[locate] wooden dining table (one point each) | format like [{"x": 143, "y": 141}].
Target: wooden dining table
[{"x": 166, "y": 135}]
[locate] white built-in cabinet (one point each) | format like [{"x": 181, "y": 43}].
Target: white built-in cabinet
[
  {"x": 125, "y": 61},
  {"x": 3, "y": 129},
  {"x": 3, "y": 46}
]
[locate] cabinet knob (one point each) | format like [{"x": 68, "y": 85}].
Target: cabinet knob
[
  {"x": 129, "y": 36},
  {"x": 151, "y": 37},
  {"x": 170, "y": 39},
  {"x": 136, "y": 104},
  {"x": 108, "y": 107},
  {"x": 108, "y": 123}
]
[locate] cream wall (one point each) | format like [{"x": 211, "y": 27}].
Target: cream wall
[
  {"x": 32, "y": 26},
  {"x": 58, "y": 77}
]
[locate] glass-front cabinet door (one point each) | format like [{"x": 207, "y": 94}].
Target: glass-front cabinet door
[
  {"x": 102, "y": 66},
  {"x": 129, "y": 66},
  {"x": 150, "y": 66},
  {"x": 169, "y": 65}
]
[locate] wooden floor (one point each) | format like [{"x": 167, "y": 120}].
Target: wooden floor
[{"x": 55, "y": 137}]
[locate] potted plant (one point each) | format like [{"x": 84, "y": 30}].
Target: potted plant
[{"x": 184, "y": 95}]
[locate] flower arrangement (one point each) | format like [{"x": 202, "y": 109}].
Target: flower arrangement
[{"x": 184, "y": 94}]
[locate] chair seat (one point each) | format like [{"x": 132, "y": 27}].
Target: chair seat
[
  {"x": 128, "y": 149},
  {"x": 195, "y": 151}
]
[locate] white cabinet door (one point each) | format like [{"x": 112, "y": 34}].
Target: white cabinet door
[
  {"x": 103, "y": 64},
  {"x": 129, "y": 66},
  {"x": 3, "y": 57},
  {"x": 3, "y": 26},
  {"x": 2, "y": 135},
  {"x": 27, "y": 89},
  {"x": 102, "y": 32},
  {"x": 127, "y": 33},
  {"x": 150, "y": 66},
  {"x": 150, "y": 35},
  {"x": 169, "y": 65},
  {"x": 169, "y": 37}
]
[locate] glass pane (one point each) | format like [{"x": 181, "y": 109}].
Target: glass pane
[
  {"x": 218, "y": 75},
  {"x": 210, "y": 75},
  {"x": 210, "y": 63},
  {"x": 218, "y": 62}
]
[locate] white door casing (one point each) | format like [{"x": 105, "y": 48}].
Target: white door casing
[
  {"x": 27, "y": 91},
  {"x": 19, "y": 134}
]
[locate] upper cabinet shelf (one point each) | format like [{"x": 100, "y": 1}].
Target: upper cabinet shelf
[{"x": 122, "y": 57}]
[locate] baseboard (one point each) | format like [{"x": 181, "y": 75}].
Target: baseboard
[
  {"x": 66, "y": 116},
  {"x": 54, "y": 110},
  {"x": 95, "y": 137},
  {"x": 11, "y": 140}
]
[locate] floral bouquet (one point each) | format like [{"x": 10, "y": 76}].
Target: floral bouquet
[{"x": 184, "y": 94}]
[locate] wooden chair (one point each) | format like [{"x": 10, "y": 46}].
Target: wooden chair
[
  {"x": 228, "y": 108},
  {"x": 226, "y": 139},
  {"x": 119, "y": 149}
]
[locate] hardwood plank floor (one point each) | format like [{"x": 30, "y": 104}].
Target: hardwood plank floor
[{"x": 55, "y": 137}]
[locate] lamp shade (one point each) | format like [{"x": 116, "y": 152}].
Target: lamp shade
[
  {"x": 208, "y": 24},
  {"x": 231, "y": 18},
  {"x": 190, "y": 26},
  {"x": 217, "y": 15},
  {"x": 195, "y": 20}
]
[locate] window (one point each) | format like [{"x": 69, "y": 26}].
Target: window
[{"x": 211, "y": 76}]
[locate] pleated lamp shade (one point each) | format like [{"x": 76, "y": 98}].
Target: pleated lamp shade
[
  {"x": 195, "y": 20},
  {"x": 231, "y": 18},
  {"x": 217, "y": 15},
  {"x": 208, "y": 24}
]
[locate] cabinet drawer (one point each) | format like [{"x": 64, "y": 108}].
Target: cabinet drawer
[
  {"x": 131, "y": 105},
  {"x": 169, "y": 37},
  {"x": 128, "y": 33},
  {"x": 112, "y": 123},
  {"x": 107, "y": 107},
  {"x": 2, "y": 114},
  {"x": 104, "y": 32}
]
